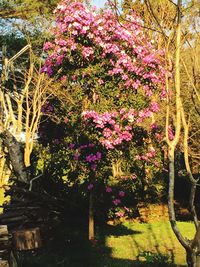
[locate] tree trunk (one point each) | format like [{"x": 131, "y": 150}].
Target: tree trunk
[
  {"x": 193, "y": 253},
  {"x": 16, "y": 156},
  {"x": 91, "y": 216},
  {"x": 193, "y": 258}
]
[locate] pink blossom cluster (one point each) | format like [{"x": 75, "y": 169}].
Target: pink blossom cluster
[
  {"x": 116, "y": 127},
  {"x": 148, "y": 156},
  {"x": 123, "y": 48},
  {"x": 117, "y": 201},
  {"x": 93, "y": 157},
  {"x": 83, "y": 152},
  {"x": 113, "y": 133}
]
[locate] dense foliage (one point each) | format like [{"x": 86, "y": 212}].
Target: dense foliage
[{"x": 115, "y": 78}]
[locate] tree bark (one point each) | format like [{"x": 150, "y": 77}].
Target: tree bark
[
  {"x": 193, "y": 258},
  {"x": 16, "y": 156},
  {"x": 193, "y": 254},
  {"x": 91, "y": 216}
]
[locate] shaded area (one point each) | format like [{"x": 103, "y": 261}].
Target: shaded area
[{"x": 67, "y": 245}]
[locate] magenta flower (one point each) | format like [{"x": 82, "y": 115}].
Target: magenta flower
[
  {"x": 108, "y": 189},
  {"x": 76, "y": 156},
  {"x": 116, "y": 201},
  {"x": 121, "y": 193},
  {"x": 56, "y": 141},
  {"x": 120, "y": 214},
  {"x": 94, "y": 167},
  {"x": 71, "y": 146},
  {"x": 155, "y": 107},
  {"x": 133, "y": 176},
  {"x": 90, "y": 186}
]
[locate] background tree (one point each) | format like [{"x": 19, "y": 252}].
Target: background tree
[
  {"x": 180, "y": 39},
  {"x": 106, "y": 65}
]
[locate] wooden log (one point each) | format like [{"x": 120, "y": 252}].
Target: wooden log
[
  {"x": 3, "y": 230},
  {"x": 14, "y": 219},
  {"x": 27, "y": 239},
  {"x": 4, "y": 263},
  {"x": 10, "y": 214},
  {"x": 4, "y": 254}
]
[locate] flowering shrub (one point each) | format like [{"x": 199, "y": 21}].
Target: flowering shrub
[
  {"x": 86, "y": 153},
  {"x": 93, "y": 48},
  {"x": 114, "y": 74}
]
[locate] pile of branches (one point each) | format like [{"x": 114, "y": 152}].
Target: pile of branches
[{"x": 30, "y": 207}]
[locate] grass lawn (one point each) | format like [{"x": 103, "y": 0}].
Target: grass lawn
[
  {"x": 131, "y": 239},
  {"x": 116, "y": 246}
]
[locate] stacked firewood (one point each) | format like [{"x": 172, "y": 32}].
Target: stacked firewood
[
  {"x": 5, "y": 246},
  {"x": 29, "y": 208}
]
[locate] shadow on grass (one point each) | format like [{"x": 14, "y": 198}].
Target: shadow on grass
[
  {"x": 69, "y": 247},
  {"x": 117, "y": 230}
]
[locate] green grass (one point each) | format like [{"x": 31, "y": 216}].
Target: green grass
[
  {"x": 156, "y": 237},
  {"x": 116, "y": 246}
]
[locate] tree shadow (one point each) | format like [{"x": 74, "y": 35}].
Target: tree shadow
[
  {"x": 69, "y": 246},
  {"x": 102, "y": 253}
]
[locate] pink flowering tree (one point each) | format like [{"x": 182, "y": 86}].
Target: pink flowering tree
[{"x": 119, "y": 77}]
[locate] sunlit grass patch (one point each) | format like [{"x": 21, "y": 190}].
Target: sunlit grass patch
[{"x": 155, "y": 237}]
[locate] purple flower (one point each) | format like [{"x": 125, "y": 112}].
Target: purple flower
[
  {"x": 120, "y": 214},
  {"x": 94, "y": 167},
  {"x": 121, "y": 193},
  {"x": 76, "y": 156},
  {"x": 133, "y": 176},
  {"x": 90, "y": 186},
  {"x": 56, "y": 141},
  {"x": 108, "y": 189},
  {"x": 116, "y": 201},
  {"x": 71, "y": 146}
]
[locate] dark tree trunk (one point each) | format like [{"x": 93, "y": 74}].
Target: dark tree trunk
[
  {"x": 193, "y": 258},
  {"x": 193, "y": 253},
  {"x": 16, "y": 156},
  {"x": 91, "y": 216}
]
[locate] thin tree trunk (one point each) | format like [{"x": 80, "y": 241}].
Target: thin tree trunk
[
  {"x": 193, "y": 254},
  {"x": 91, "y": 216}
]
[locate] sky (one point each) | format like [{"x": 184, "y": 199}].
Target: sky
[{"x": 99, "y": 3}]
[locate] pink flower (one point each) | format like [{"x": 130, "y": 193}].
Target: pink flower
[
  {"x": 121, "y": 193},
  {"x": 158, "y": 136},
  {"x": 133, "y": 176},
  {"x": 87, "y": 52},
  {"x": 155, "y": 107},
  {"x": 76, "y": 156},
  {"x": 108, "y": 189},
  {"x": 116, "y": 201},
  {"x": 154, "y": 126},
  {"x": 94, "y": 167},
  {"x": 66, "y": 120},
  {"x": 56, "y": 141},
  {"x": 90, "y": 186},
  {"x": 100, "y": 81},
  {"x": 120, "y": 214},
  {"x": 74, "y": 78},
  {"x": 48, "y": 45},
  {"x": 71, "y": 146},
  {"x": 126, "y": 209},
  {"x": 63, "y": 78}
]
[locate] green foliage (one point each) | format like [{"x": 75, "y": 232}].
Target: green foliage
[{"x": 157, "y": 259}]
